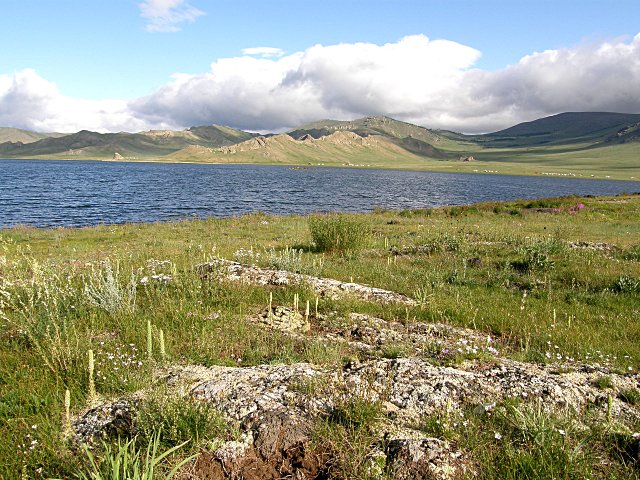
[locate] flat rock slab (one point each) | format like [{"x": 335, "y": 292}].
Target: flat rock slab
[{"x": 325, "y": 287}]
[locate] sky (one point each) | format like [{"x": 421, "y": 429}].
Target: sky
[{"x": 269, "y": 65}]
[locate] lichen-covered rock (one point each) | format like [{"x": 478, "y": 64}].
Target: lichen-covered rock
[
  {"x": 426, "y": 459},
  {"x": 284, "y": 319},
  {"x": 326, "y": 287},
  {"x": 276, "y": 406},
  {"x": 104, "y": 421}
]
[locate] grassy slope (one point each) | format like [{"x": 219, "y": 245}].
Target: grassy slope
[
  {"x": 24, "y": 136},
  {"x": 340, "y": 148},
  {"x": 576, "y": 150},
  {"x": 92, "y": 145},
  {"x": 570, "y": 127}
]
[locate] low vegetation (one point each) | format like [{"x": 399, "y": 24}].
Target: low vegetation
[{"x": 553, "y": 281}]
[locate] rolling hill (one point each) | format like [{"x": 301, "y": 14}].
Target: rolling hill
[
  {"x": 24, "y": 136},
  {"x": 151, "y": 144},
  {"x": 589, "y": 144},
  {"x": 336, "y": 148},
  {"x": 570, "y": 127}
]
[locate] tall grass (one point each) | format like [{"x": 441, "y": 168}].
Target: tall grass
[{"x": 127, "y": 461}]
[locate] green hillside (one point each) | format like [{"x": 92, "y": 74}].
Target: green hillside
[
  {"x": 570, "y": 127},
  {"x": 379, "y": 125},
  {"x": 25, "y": 136},
  {"x": 154, "y": 143}
]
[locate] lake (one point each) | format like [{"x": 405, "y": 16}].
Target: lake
[{"x": 49, "y": 193}]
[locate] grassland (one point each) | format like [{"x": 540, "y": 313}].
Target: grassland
[{"x": 545, "y": 278}]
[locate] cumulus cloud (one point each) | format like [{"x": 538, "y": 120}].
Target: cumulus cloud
[
  {"x": 266, "y": 52},
  {"x": 429, "y": 82},
  {"x": 30, "y": 102},
  {"x": 167, "y": 15},
  {"x": 337, "y": 81}
]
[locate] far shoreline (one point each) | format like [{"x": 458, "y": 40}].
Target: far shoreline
[{"x": 479, "y": 167}]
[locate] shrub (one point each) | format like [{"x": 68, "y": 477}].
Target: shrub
[
  {"x": 630, "y": 396},
  {"x": 288, "y": 259},
  {"x": 603, "y": 382},
  {"x": 337, "y": 233},
  {"x": 103, "y": 289},
  {"x": 346, "y": 438},
  {"x": 535, "y": 258}
]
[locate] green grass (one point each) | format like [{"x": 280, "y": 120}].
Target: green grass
[
  {"x": 526, "y": 441},
  {"x": 506, "y": 269}
]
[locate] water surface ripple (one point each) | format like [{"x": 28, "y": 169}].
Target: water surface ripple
[{"x": 49, "y": 193}]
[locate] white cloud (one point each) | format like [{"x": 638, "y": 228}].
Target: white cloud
[
  {"x": 267, "y": 52},
  {"x": 167, "y": 15},
  {"x": 30, "y": 102},
  {"x": 428, "y": 82},
  {"x": 337, "y": 81}
]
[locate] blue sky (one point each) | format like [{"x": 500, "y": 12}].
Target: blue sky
[{"x": 113, "y": 63}]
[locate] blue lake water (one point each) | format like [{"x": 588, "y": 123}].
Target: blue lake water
[{"x": 52, "y": 193}]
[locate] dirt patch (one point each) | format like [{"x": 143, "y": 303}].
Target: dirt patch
[{"x": 281, "y": 449}]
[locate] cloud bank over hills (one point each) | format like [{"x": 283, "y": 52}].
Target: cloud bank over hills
[{"x": 427, "y": 82}]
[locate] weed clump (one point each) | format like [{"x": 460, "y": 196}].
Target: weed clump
[
  {"x": 626, "y": 284},
  {"x": 181, "y": 420},
  {"x": 347, "y": 436},
  {"x": 337, "y": 233}
]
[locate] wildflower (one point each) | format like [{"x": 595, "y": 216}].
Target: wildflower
[{"x": 497, "y": 436}]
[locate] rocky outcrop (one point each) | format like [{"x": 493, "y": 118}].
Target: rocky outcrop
[
  {"x": 325, "y": 287},
  {"x": 277, "y": 407}
]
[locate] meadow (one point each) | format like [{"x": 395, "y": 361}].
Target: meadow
[{"x": 553, "y": 281}]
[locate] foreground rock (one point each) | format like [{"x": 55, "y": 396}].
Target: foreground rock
[
  {"x": 276, "y": 407},
  {"x": 325, "y": 287}
]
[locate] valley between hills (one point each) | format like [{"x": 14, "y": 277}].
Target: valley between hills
[{"x": 575, "y": 144}]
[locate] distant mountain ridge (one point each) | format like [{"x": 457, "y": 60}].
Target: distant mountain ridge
[
  {"x": 154, "y": 143},
  {"x": 561, "y": 128},
  {"x": 573, "y": 140}
]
